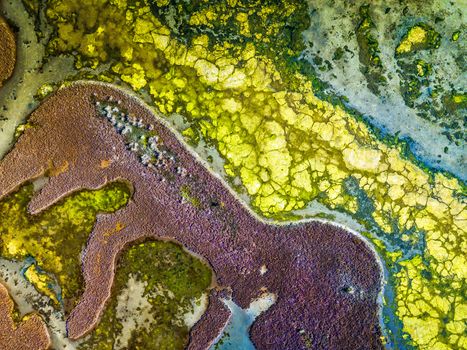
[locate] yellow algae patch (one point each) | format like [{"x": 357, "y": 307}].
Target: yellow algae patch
[
  {"x": 14, "y": 247},
  {"x": 416, "y": 35},
  {"x": 135, "y": 77},
  {"x": 422, "y": 331},
  {"x": 422, "y": 306},
  {"x": 362, "y": 159},
  {"x": 419, "y": 36},
  {"x": 41, "y": 281}
]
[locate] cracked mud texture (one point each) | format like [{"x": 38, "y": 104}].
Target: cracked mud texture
[
  {"x": 7, "y": 51},
  {"x": 326, "y": 279},
  {"x": 287, "y": 145},
  {"x": 30, "y": 333}
]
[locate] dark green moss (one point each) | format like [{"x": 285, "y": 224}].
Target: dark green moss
[
  {"x": 410, "y": 91},
  {"x": 338, "y": 54},
  {"x": 32, "y": 6}
]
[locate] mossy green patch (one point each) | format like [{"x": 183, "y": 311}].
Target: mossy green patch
[
  {"x": 421, "y": 89},
  {"x": 44, "y": 91},
  {"x": 173, "y": 279},
  {"x": 56, "y": 236},
  {"x": 187, "y": 195},
  {"x": 338, "y": 54}
]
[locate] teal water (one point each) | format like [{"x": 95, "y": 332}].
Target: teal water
[{"x": 236, "y": 334}]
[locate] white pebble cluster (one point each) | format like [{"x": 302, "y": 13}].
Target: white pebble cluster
[{"x": 139, "y": 138}]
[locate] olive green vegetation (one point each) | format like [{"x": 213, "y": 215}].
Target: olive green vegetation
[
  {"x": 187, "y": 195},
  {"x": 173, "y": 279},
  {"x": 32, "y": 6},
  {"x": 338, "y": 54},
  {"x": 273, "y": 26},
  {"x": 416, "y": 75},
  {"x": 369, "y": 52},
  {"x": 56, "y": 236}
]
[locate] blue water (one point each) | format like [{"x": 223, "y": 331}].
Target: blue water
[{"x": 235, "y": 335}]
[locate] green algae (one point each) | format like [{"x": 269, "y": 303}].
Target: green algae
[
  {"x": 172, "y": 280},
  {"x": 275, "y": 24},
  {"x": 191, "y": 136},
  {"x": 338, "y": 54},
  {"x": 420, "y": 84},
  {"x": 56, "y": 236},
  {"x": 44, "y": 90}
]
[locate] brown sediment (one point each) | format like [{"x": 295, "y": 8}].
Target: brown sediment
[
  {"x": 326, "y": 279},
  {"x": 30, "y": 334},
  {"x": 7, "y": 51}
]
